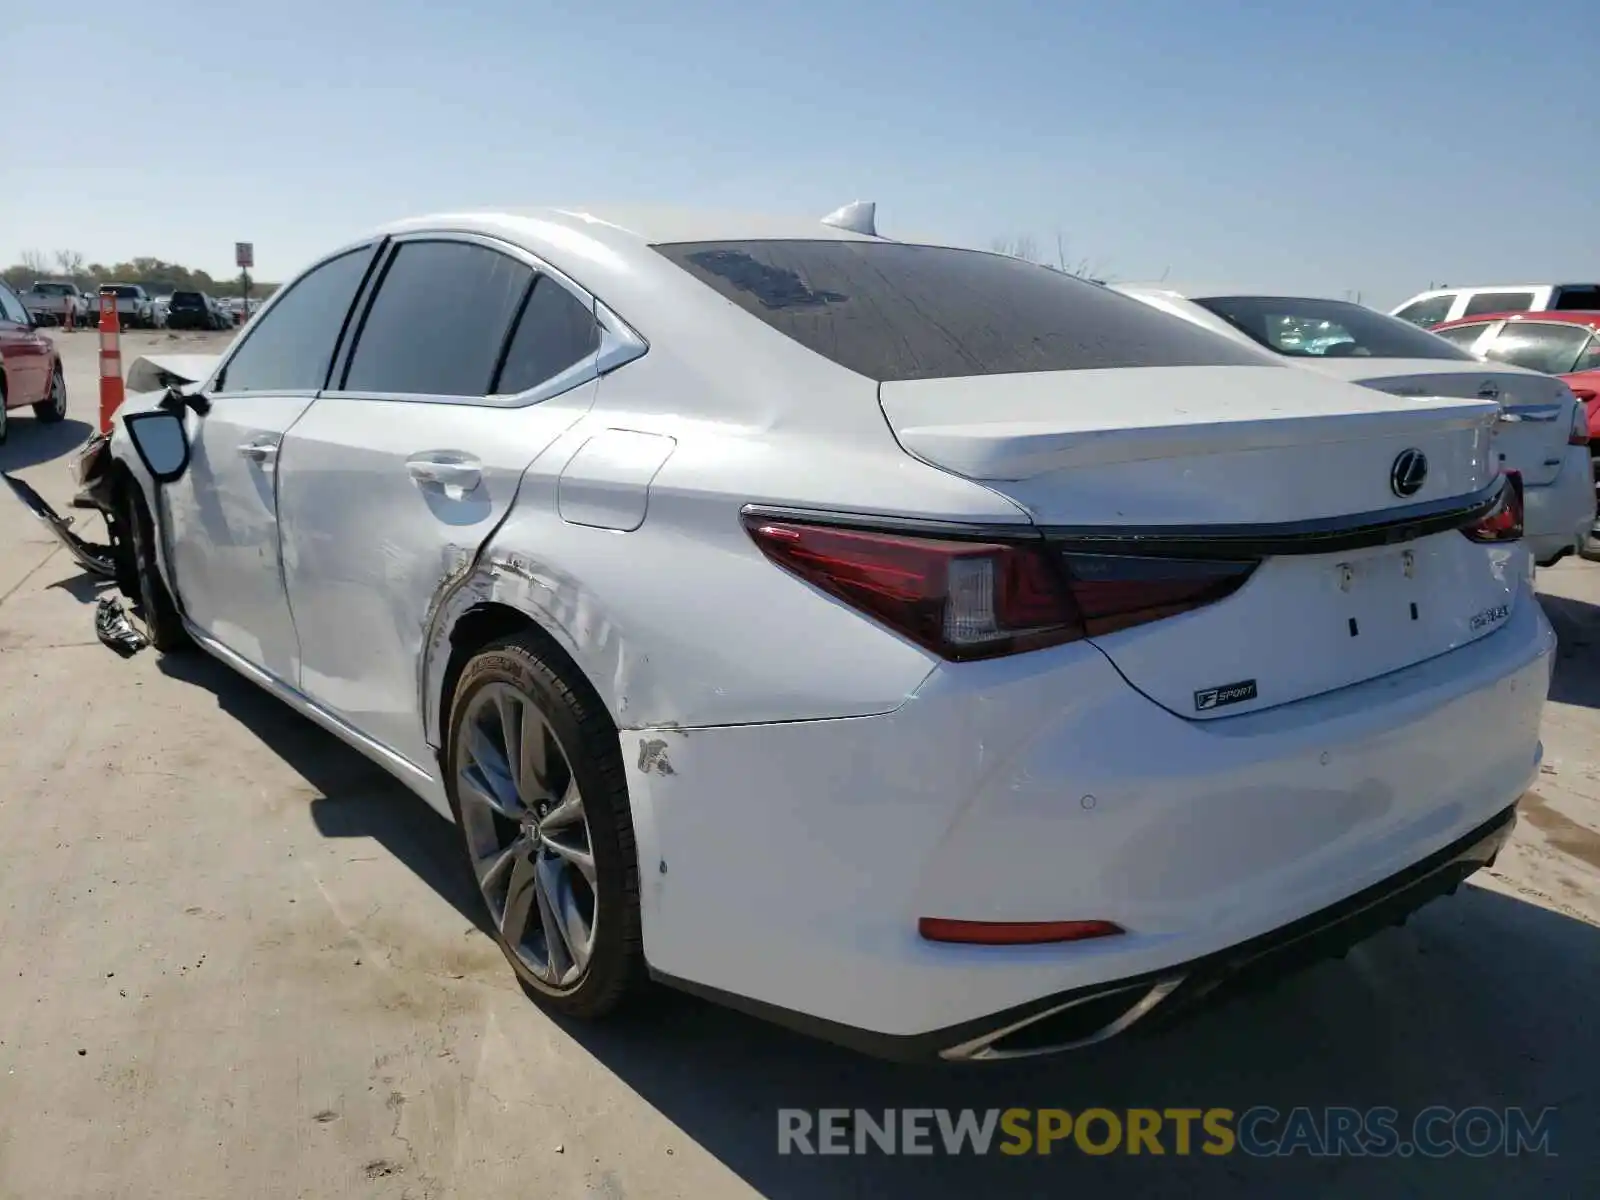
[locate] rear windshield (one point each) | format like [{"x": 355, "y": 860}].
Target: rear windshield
[
  {"x": 121, "y": 290},
  {"x": 1328, "y": 329},
  {"x": 187, "y": 300},
  {"x": 53, "y": 289},
  {"x": 895, "y": 312}
]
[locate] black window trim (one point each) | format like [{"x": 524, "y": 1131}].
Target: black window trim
[
  {"x": 373, "y": 245},
  {"x": 619, "y": 344}
]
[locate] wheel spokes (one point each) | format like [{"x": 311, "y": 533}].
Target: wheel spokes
[
  {"x": 558, "y": 955},
  {"x": 580, "y": 858},
  {"x": 521, "y": 896}
]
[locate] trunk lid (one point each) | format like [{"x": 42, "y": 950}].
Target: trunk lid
[
  {"x": 1536, "y": 410},
  {"x": 1181, "y": 462}
]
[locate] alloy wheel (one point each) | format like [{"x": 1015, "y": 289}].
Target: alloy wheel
[
  {"x": 528, "y": 835},
  {"x": 58, "y": 393}
]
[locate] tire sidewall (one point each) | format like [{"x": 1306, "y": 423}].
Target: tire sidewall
[{"x": 605, "y": 808}]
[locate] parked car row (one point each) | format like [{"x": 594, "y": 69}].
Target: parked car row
[
  {"x": 1543, "y": 430},
  {"x": 51, "y": 302},
  {"x": 1095, "y": 648}
]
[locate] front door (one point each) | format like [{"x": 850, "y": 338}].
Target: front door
[
  {"x": 470, "y": 361},
  {"x": 26, "y": 355},
  {"x": 222, "y": 514}
]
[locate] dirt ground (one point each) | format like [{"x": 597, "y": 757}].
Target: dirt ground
[{"x": 237, "y": 960}]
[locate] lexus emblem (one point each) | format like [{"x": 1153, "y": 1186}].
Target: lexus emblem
[
  {"x": 1409, "y": 473},
  {"x": 1489, "y": 391}
]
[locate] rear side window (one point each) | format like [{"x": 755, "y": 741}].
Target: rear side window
[
  {"x": 290, "y": 347},
  {"x": 1427, "y": 312},
  {"x": 1577, "y": 298},
  {"x": 438, "y": 321},
  {"x": 1546, "y": 347},
  {"x": 895, "y": 312},
  {"x": 554, "y": 332},
  {"x": 1493, "y": 302},
  {"x": 1465, "y": 336}
]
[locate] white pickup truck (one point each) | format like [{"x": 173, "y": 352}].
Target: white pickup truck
[
  {"x": 47, "y": 302},
  {"x": 135, "y": 308}
]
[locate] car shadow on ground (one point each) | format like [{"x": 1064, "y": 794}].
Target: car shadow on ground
[
  {"x": 1577, "y": 625},
  {"x": 1480, "y": 1000},
  {"x": 31, "y": 442},
  {"x": 358, "y": 798}
]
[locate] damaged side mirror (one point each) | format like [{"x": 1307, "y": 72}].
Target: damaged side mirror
[{"x": 161, "y": 443}]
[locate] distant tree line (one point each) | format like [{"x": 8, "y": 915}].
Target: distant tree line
[
  {"x": 1026, "y": 248},
  {"x": 155, "y": 275}
]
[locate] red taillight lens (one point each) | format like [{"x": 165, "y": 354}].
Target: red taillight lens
[
  {"x": 1579, "y": 434},
  {"x": 1504, "y": 523},
  {"x": 1013, "y": 933},
  {"x": 967, "y": 600}
]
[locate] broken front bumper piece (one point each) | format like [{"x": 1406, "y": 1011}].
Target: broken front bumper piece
[{"x": 93, "y": 558}]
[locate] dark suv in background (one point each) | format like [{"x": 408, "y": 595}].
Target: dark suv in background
[{"x": 195, "y": 310}]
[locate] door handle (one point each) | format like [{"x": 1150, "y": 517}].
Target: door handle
[
  {"x": 456, "y": 475},
  {"x": 261, "y": 451}
]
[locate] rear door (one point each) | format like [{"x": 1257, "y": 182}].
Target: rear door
[
  {"x": 470, "y": 359},
  {"x": 1509, "y": 300},
  {"x": 222, "y": 513}
]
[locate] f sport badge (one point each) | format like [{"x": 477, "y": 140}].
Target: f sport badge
[{"x": 1228, "y": 693}]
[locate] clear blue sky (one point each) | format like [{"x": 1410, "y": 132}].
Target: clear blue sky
[{"x": 1370, "y": 145}]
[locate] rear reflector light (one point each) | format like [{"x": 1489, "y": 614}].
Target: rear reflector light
[
  {"x": 966, "y": 600},
  {"x": 1013, "y": 933},
  {"x": 1504, "y": 522}
]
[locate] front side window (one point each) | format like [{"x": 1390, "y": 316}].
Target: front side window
[
  {"x": 1303, "y": 328},
  {"x": 1495, "y": 302},
  {"x": 438, "y": 321},
  {"x": 1589, "y": 356},
  {"x": 894, "y": 312},
  {"x": 554, "y": 332},
  {"x": 11, "y": 308},
  {"x": 289, "y": 350},
  {"x": 1539, "y": 346},
  {"x": 1429, "y": 312}
]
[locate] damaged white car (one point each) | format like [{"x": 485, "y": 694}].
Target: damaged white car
[{"x": 917, "y": 646}]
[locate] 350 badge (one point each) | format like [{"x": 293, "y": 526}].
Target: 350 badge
[{"x": 1489, "y": 616}]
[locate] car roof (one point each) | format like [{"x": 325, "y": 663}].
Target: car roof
[
  {"x": 1587, "y": 317},
  {"x": 639, "y": 227}
]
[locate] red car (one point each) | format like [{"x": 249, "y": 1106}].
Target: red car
[
  {"x": 1558, "y": 343},
  {"x": 30, "y": 368}
]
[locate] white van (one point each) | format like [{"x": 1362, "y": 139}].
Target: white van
[{"x": 1428, "y": 309}]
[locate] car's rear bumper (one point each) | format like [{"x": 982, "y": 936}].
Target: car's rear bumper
[
  {"x": 1559, "y": 516},
  {"x": 1082, "y": 1016},
  {"x": 788, "y": 864}
]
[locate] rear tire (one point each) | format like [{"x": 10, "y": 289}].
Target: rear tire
[
  {"x": 5, "y": 417},
  {"x": 54, "y": 409},
  {"x": 154, "y": 603},
  {"x": 555, "y": 831}
]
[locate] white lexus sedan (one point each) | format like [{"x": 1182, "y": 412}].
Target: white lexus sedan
[
  {"x": 1542, "y": 433},
  {"x": 916, "y": 646}
]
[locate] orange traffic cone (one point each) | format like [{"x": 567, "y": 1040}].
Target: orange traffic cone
[{"x": 111, "y": 394}]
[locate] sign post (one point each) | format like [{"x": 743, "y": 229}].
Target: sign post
[{"x": 244, "y": 257}]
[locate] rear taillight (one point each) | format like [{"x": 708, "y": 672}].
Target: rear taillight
[
  {"x": 968, "y": 599},
  {"x": 1504, "y": 522},
  {"x": 1579, "y": 434}
]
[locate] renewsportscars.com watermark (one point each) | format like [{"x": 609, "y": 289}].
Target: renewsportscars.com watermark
[{"x": 1260, "y": 1132}]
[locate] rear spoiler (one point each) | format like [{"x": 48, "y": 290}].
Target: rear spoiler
[{"x": 157, "y": 372}]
